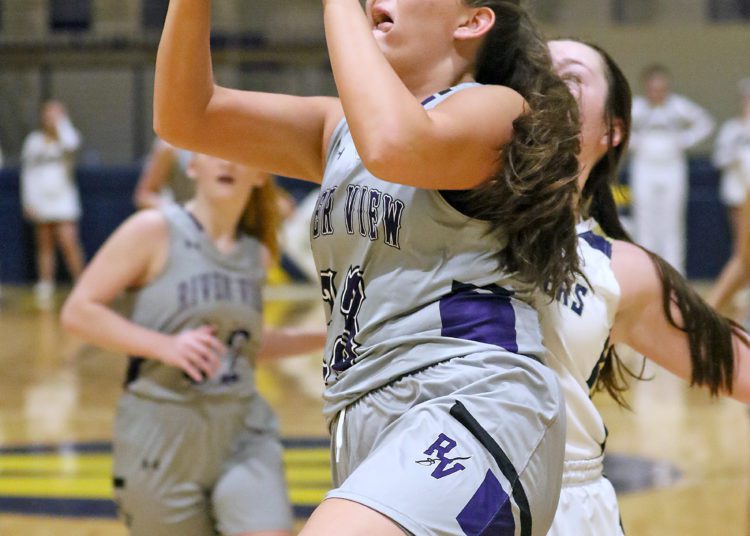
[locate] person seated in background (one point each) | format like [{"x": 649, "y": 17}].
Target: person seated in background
[{"x": 49, "y": 197}]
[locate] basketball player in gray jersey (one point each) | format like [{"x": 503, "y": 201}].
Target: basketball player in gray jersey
[
  {"x": 196, "y": 449},
  {"x": 620, "y": 301},
  {"x": 164, "y": 177},
  {"x": 429, "y": 337}
]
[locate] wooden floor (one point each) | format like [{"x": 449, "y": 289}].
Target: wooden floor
[{"x": 681, "y": 460}]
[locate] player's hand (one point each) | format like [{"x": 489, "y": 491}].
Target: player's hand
[
  {"x": 57, "y": 111},
  {"x": 197, "y": 352}
]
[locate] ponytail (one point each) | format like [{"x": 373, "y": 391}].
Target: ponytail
[
  {"x": 530, "y": 202},
  {"x": 261, "y": 218}
]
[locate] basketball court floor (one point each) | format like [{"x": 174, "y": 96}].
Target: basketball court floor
[{"x": 679, "y": 460}]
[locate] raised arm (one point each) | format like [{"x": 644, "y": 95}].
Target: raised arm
[
  {"x": 280, "y": 134},
  {"x": 156, "y": 171},
  {"x": 453, "y": 146},
  {"x": 133, "y": 255},
  {"x": 642, "y": 324}
]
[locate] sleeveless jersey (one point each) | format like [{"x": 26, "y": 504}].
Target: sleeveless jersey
[
  {"x": 576, "y": 328},
  {"x": 201, "y": 286},
  {"x": 407, "y": 280}
]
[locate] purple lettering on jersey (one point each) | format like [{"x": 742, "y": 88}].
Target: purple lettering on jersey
[
  {"x": 393, "y": 211},
  {"x": 489, "y": 512},
  {"x": 373, "y": 213},
  {"x": 352, "y": 192},
  {"x": 363, "y": 210},
  {"x": 327, "y": 210}
]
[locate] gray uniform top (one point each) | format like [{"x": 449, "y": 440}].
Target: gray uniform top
[
  {"x": 201, "y": 286},
  {"x": 408, "y": 281}
]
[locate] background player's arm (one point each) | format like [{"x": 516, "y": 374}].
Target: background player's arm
[
  {"x": 286, "y": 342},
  {"x": 132, "y": 256},
  {"x": 69, "y": 137},
  {"x": 699, "y": 123},
  {"x": 641, "y": 323},
  {"x": 453, "y": 146},
  {"x": 280, "y": 134},
  {"x": 154, "y": 176}
]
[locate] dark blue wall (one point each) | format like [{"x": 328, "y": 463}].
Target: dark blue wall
[{"x": 106, "y": 195}]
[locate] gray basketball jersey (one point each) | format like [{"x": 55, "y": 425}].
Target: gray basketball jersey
[
  {"x": 407, "y": 280},
  {"x": 576, "y": 329},
  {"x": 201, "y": 286}
]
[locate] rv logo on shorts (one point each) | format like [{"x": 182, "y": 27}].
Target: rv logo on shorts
[{"x": 446, "y": 466}]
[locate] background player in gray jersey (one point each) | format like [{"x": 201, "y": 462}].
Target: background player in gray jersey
[
  {"x": 412, "y": 282},
  {"x": 708, "y": 352},
  {"x": 164, "y": 177},
  {"x": 196, "y": 448}
]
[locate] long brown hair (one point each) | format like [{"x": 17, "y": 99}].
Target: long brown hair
[
  {"x": 261, "y": 217},
  {"x": 709, "y": 334},
  {"x": 531, "y": 201}
]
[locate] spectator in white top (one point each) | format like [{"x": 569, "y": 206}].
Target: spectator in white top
[
  {"x": 732, "y": 156},
  {"x": 665, "y": 126},
  {"x": 49, "y": 196}
]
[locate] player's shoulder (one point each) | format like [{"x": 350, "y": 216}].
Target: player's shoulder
[
  {"x": 484, "y": 95},
  {"x": 148, "y": 224},
  {"x": 635, "y": 271}
]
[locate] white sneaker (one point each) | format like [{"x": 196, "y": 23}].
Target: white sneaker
[{"x": 44, "y": 295}]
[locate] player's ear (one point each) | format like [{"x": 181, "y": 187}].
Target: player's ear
[
  {"x": 475, "y": 24},
  {"x": 615, "y": 138},
  {"x": 192, "y": 170}
]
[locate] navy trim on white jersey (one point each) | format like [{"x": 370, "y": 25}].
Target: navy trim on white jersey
[{"x": 598, "y": 242}]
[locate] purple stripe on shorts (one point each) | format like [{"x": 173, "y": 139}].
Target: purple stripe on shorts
[
  {"x": 488, "y": 512},
  {"x": 481, "y": 314}
]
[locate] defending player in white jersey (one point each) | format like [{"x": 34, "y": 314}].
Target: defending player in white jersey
[
  {"x": 196, "y": 448},
  {"x": 430, "y": 337},
  {"x": 665, "y": 125},
  {"x": 621, "y": 301}
]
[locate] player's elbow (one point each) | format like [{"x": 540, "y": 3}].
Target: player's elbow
[
  {"x": 71, "y": 317},
  {"x": 390, "y": 159},
  {"x": 168, "y": 129}
]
